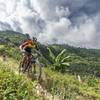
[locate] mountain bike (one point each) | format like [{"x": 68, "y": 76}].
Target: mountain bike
[{"x": 27, "y": 65}]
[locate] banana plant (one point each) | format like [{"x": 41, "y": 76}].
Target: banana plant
[{"x": 59, "y": 61}]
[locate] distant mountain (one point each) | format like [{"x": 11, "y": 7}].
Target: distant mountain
[
  {"x": 17, "y": 38},
  {"x": 7, "y": 37},
  {"x": 82, "y": 60},
  {"x": 9, "y": 32}
]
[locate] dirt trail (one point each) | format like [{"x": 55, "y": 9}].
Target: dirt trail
[{"x": 39, "y": 90}]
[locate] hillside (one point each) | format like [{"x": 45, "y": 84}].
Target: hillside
[
  {"x": 17, "y": 38},
  {"x": 11, "y": 37},
  {"x": 63, "y": 83},
  {"x": 82, "y": 60},
  {"x": 13, "y": 86}
]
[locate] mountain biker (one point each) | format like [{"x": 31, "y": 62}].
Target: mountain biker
[{"x": 26, "y": 48}]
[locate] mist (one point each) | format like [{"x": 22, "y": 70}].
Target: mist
[{"x": 63, "y": 22}]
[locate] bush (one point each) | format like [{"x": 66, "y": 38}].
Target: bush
[
  {"x": 12, "y": 52},
  {"x": 13, "y": 87},
  {"x": 59, "y": 62},
  {"x": 68, "y": 87}
]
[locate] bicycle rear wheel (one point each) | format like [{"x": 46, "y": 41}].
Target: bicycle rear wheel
[
  {"x": 28, "y": 66},
  {"x": 22, "y": 66}
]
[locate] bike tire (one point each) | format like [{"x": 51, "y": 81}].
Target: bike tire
[{"x": 27, "y": 66}]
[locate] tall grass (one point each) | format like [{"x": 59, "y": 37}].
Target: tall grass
[
  {"x": 14, "y": 87},
  {"x": 67, "y": 87}
]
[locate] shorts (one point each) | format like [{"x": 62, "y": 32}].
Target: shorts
[{"x": 28, "y": 49}]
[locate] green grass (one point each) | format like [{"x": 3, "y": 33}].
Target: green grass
[
  {"x": 12, "y": 52},
  {"x": 68, "y": 87},
  {"x": 13, "y": 86}
]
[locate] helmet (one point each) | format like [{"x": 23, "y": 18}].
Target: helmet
[{"x": 34, "y": 39}]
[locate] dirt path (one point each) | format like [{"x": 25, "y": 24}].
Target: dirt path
[{"x": 39, "y": 90}]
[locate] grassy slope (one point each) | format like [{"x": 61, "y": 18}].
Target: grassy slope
[
  {"x": 86, "y": 57},
  {"x": 68, "y": 87},
  {"x": 21, "y": 87},
  {"x": 57, "y": 83},
  {"x": 13, "y": 86},
  {"x": 65, "y": 86}
]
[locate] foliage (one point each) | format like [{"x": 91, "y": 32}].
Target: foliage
[
  {"x": 59, "y": 62},
  {"x": 83, "y": 62},
  {"x": 11, "y": 38},
  {"x": 13, "y": 87},
  {"x": 68, "y": 87},
  {"x": 12, "y": 52}
]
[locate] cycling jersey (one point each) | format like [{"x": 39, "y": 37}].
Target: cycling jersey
[{"x": 27, "y": 45}]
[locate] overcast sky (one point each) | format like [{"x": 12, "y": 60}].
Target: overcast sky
[{"x": 74, "y": 22}]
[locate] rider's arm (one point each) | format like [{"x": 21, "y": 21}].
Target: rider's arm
[{"x": 37, "y": 50}]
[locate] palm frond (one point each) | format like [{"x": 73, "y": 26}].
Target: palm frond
[
  {"x": 60, "y": 55},
  {"x": 65, "y": 58},
  {"x": 52, "y": 56},
  {"x": 66, "y": 64}
]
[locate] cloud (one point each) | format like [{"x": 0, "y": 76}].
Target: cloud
[
  {"x": 60, "y": 21},
  {"x": 3, "y": 25},
  {"x": 63, "y": 32},
  {"x": 62, "y": 12}
]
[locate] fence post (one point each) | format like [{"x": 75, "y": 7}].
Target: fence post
[{"x": 79, "y": 79}]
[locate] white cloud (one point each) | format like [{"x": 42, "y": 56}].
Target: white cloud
[
  {"x": 63, "y": 32},
  {"x": 62, "y": 12},
  {"x": 59, "y": 21}
]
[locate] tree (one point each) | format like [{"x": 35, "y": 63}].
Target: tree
[{"x": 59, "y": 61}]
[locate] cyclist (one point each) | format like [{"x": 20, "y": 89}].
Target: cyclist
[
  {"x": 28, "y": 44},
  {"x": 26, "y": 48}
]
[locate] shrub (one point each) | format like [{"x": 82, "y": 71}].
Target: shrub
[
  {"x": 59, "y": 62},
  {"x": 13, "y": 87},
  {"x": 68, "y": 87}
]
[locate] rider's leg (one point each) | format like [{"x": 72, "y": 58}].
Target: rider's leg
[
  {"x": 28, "y": 64},
  {"x": 24, "y": 59},
  {"x": 27, "y": 61},
  {"x": 23, "y": 56}
]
